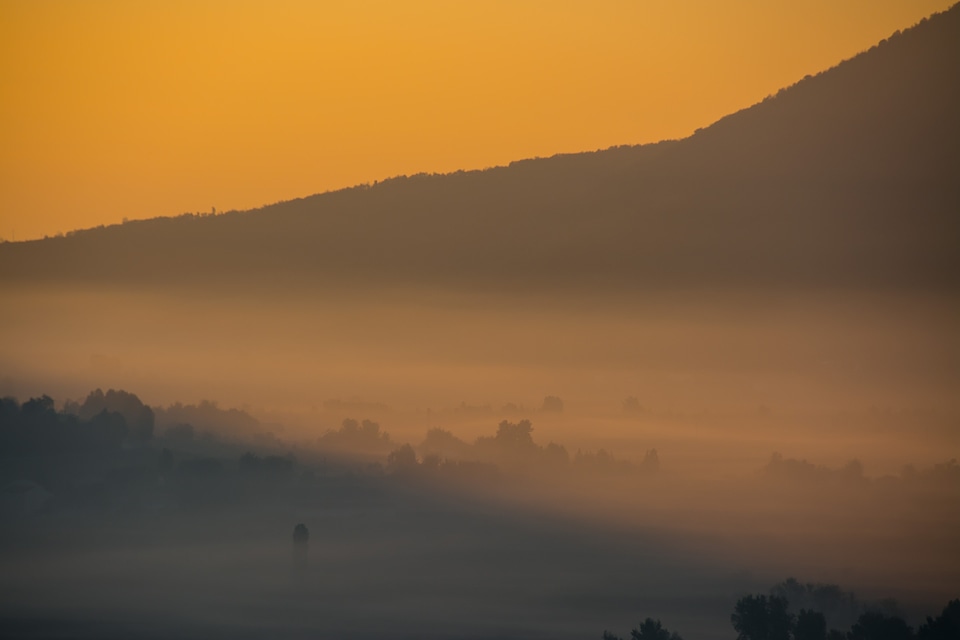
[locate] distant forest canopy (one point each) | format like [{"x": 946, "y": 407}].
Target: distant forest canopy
[
  {"x": 846, "y": 179},
  {"x": 115, "y": 420},
  {"x": 762, "y": 617},
  {"x": 107, "y": 424}
]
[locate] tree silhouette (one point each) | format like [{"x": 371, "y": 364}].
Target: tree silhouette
[
  {"x": 403, "y": 459},
  {"x": 36, "y": 406},
  {"x": 515, "y": 435},
  {"x": 556, "y": 455},
  {"x": 649, "y": 629},
  {"x": 301, "y": 545},
  {"x": 445, "y": 444},
  {"x": 945, "y": 627},
  {"x": 301, "y": 535},
  {"x": 840, "y": 608},
  {"x": 357, "y": 435},
  {"x": 810, "y": 625},
  {"x": 874, "y": 625},
  {"x": 138, "y": 417},
  {"x": 768, "y": 618},
  {"x": 762, "y": 618}
]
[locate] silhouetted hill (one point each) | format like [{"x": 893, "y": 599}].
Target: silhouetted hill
[{"x": 850, "y": 178}]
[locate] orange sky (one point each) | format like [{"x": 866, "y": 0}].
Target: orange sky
[{"x": 138, "y": 109}]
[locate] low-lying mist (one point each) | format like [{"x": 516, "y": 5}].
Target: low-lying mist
[
  {"x": 719, "y": 378},
  {"x": 478, "y": 465},
  {"x": 713, "y": 351}
]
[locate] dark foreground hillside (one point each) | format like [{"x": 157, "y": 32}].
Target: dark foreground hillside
[{"x": 848, "y": 178}]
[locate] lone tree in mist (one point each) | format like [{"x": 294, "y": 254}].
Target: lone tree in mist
[
  {"x": 301, "y": 535},
  {"x": 301, "y": 544}
]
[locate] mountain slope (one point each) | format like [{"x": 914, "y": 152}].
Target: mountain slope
[{"x": 850, "y": 178}]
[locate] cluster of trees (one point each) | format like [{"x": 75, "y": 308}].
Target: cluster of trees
[
  {"x": 233, "y": 422},
  {"x": 604, "y": 462},
  {"x": 138, "y": 416},
  {"x": 793, "y": 470},
  {"x": 103, "y": 421},
  {"x": 115, "y": 419},
  {"x": 443, "y": 443},
  {"x": 841, "y": 608},
  {"x": 513, "y": 447},
  {"x": 760, "y": 617},
  {"x": 354, "y": 435},
  {"x": 104, "y": 453},
  {"x": 769, "y": 618},
  {"x": 513, "y": 442},
  {"x": 404, "y": 462},
  {"x": 945, "y": 473}
]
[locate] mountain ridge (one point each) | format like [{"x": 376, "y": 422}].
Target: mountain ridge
[{"x": 846, "y": 178}]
